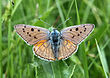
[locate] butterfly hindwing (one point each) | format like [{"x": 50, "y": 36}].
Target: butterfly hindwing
[
  {"x": 32, "y": 34},
  {"x": 66, "y": 49},
  {"x": 43, "y": 50},
  {"x": 77, "y": 33}
]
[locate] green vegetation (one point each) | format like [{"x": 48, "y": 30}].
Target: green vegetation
[{"x": 92, "y": 59}]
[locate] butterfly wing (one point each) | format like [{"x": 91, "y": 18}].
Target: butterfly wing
[
  {"x": 43, "y": 50},
  {"x": 67, "y": 48},
  {"x": 71, "y": 37},
  {"x": 77, "y": 33},
  {"x": 32, "y": 34}
]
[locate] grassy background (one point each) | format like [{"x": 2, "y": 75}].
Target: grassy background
[{"x": 93, "y": 57}]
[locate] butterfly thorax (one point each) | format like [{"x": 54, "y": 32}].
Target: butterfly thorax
[{"x": 55, "y": 41}]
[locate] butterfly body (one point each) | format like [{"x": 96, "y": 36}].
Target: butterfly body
[
  {"x": 55, "y": 41},
  {"x": 54, "y": 45}
]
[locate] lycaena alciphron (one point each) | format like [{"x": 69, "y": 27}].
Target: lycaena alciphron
[{"x": 54, "y": 45}]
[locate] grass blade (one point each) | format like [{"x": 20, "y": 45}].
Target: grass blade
[
  {"x": 0, "y": 38},
  {"x": 36, "y": 72},
  {"x": 83, "y": 54},
  {"x": 16, "y": 6},
  {"x": 70, "y": 9},
  {"x": 9, "y": 43},
  {"x": 86, "y": 13},
  {"x": 60, "y": 11},
  {"x": 55, "y": 69},
  {"x": 78, "y": 18},
  {"x": 84, "y": 60},
  {"x": 102, "y": 58}
]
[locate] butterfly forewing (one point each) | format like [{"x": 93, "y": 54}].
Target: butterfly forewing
[
  {"x": 66, "y": 49},
  {"x": 32, "y": 34},
  {"x": 77, "y": 33},
  {"x": 43, "y": 50}
]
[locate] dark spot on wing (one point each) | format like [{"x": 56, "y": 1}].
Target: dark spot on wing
[
  {"x": 27, "y": 32},
  {"x": 70, "y": 29},
  {"x": 38, "y": 30},
  {"x": 32, "y": 29},
  {"x": 25, "y": 26},
  {"x": 78, "y": 34},
  {"x": 77, "y": 29},
  {"x": 35, "y": 37},
  {"x": 84, "y": 29},
  {"x": 80, "y": 31},
  {"x": 30, "y": 35},
  {"x": 84, "y": 26},
  {"x": 23, "y": 30},
  {"x": 73, "y": 36}
]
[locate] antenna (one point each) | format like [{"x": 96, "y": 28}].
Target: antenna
[
  {"x": 58, "y": 17},
  {"x": 44, "y": 22},
  {"x": 64, "y": 21}
]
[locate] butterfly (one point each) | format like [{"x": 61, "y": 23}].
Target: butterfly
[{"x": 54, "y": 45}]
